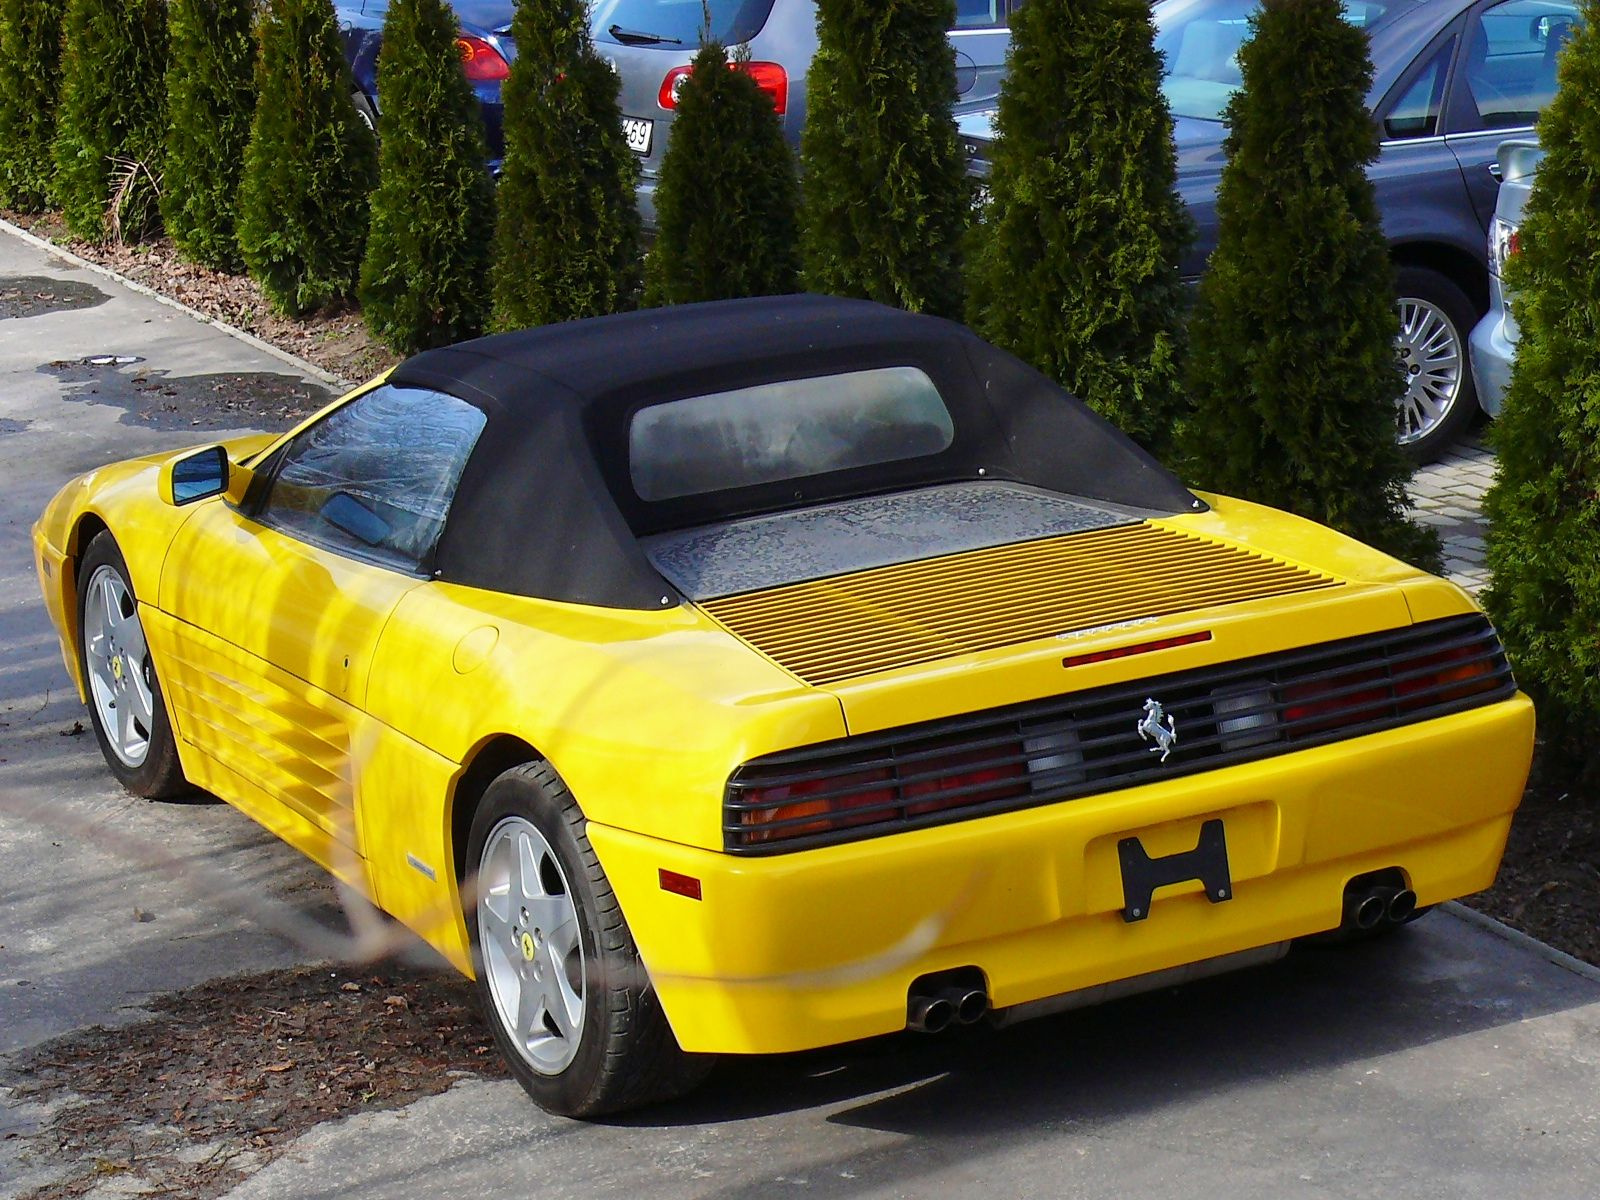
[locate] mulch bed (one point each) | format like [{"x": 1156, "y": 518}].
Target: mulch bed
[
  {"x": 195, "y": 1099},
  {"x": 1549, "y": 882}
]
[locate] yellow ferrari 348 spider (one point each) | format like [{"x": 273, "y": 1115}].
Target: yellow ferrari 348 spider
[{"x": 755, "y": 676}]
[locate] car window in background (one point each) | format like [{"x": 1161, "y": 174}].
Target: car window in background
[
  {"x": 980, "y": 14},
  {"x": 790, "y": 430},
  {"x": 376, "y": 476},
  {"x": 683, "y": 21},
  {"x": 1416, "y": 113},
  {"x": 1201, "y": 40},
  {"x": 1510, "y": 69}
]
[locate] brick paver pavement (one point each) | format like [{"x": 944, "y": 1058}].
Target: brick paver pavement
[{"x": 1448, "y": 495}]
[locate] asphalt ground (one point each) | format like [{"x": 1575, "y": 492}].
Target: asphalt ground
[{"x": 1452, "y": 1060}]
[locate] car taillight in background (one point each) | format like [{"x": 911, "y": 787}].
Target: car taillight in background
[
  {"x": 770, "y": 77},
  {"x": 1504, "y": 241},
  {"x": 481, "y": 62}
]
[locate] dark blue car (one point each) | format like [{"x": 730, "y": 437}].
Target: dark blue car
[
  {"x": 1452, "y": 79},
  {"x": 486, "y": 54}
]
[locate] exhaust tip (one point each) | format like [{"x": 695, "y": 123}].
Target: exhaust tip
[
  {"x": 971, "y": 1007},
  {"x": 1367, "y": 911},
  {"x": 929, "y": 1014},
  {"x": 1402, "y": 906}
]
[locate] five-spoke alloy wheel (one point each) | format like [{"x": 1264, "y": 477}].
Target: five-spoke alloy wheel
[
  {"x": 558, "y": 975},
  {"x": 125, "y": 703}
]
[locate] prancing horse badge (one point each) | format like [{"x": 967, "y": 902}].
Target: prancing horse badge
[{"x": 1151, "y": 729}]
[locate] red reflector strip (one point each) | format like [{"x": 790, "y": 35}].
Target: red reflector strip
[
  {"x": 1187, "y": 639},
  {"x": 679, "y": 885}
]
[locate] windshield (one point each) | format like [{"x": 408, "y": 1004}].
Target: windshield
[
  {"x": 678, "y": 22},
  {"x": 1201, "y": 40}
]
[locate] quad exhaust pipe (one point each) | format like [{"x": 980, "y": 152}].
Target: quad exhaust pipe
[
  {"x": 1370, "y": 903},
  {"x": 933, "y": 1006}
]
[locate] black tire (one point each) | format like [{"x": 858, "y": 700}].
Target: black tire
[
  {"x": 156, "y": 774},
  {"x": 1444, "y": 296},
  {"x": 625, "y": 1053}
]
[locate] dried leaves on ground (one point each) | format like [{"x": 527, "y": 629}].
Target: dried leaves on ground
[{"x": 193, "y": 1100}]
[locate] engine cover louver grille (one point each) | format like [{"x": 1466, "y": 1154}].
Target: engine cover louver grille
[
  {"x": 1090, "y": 742},
  {"x": 829, "y": 630}
]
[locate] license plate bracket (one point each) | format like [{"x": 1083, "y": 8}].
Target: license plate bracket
[{"x": 1142, "y": 875}]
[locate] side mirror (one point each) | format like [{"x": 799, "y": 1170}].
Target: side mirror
[{"x": 202, "y": 474}]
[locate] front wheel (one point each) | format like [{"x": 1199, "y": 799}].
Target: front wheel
[
  {"x": 125, "y": 703},
  {"x": 1441, "y": 399},
  {"x": 558, "y": 975}
]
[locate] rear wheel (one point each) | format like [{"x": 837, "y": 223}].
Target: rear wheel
[
  {"x": 125, "y": 702},
  {"x": 1440, "y": 399},
  {"x": 558, "y": 974}
]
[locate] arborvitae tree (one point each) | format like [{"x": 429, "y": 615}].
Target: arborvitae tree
[
  {"x": 211, "y": 95},
  {"x": 727, "y": 197},
  {"x": 112, "y": 122},
  {"x": 567, "y": 238},
  {"x": 425, "y": 279},
  {"x": 310, "y": 165},
  {"x": 1292, "y": 362},
  {"x": 884, "y": 194},
  {"x": 1544, "y": 507},
  {"x": 30, "y": 72},
  {"x": 1075, "y": 267}
]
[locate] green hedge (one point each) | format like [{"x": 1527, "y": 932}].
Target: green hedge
[
  {"x": 1544, "y": 507},
  {"x": 1292, "y": 361},
  {"x": 567, "y": 237},
  {"x": 30, "y": 73},
  {"x": 425, "y": 280},
  {"x": 1075, "y": 267},
  {"x": 112, "y": 120},
  {"x": 211, "y": 96},
  {"x": 885, "y": 199},
  {"x": 727, "y": 195},
  {"x": 310, "y": 165}
]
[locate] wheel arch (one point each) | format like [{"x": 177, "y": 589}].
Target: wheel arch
[
  {"x": 88, "y": 526},
  {"x": 1456, "y": 265},
  {"x": 488, "y": 761}
]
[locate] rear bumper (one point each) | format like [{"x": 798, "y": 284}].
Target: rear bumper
[
  {"x": 797, "y": 951},
  {"x": 1492, "y": 347}
]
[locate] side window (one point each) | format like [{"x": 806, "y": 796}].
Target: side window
[
  {"x": 1416, "y": 113},
  {"x": 980, "y": 14},
  {"x": 1509, "y": 70},
  {"x": 375, "y": 477}
]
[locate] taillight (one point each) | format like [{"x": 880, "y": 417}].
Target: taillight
[
  {"x": 770, "y": 77},
  {"x": 1442, "y": 677},
  {"x": 963, "y": 778},
  {"x": 1505, "y": 240},
  {"x": 481, "y": 62},
  {"x": 835, "y": 801},
  {"x": 1339, "y": 700}
]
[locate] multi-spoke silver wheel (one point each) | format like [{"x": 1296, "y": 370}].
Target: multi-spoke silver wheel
[
  {"x": 1433, "y": 357},
  {"x": 532, "y": 949},
  {"x": 117, "y": 663}
]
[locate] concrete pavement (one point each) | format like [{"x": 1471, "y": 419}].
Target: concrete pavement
[{"x": 1449, "y": 1061}]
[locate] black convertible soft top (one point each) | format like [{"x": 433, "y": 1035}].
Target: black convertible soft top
[{"x": 546, "y": 506}]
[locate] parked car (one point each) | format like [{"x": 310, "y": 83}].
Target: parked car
[
  {"x": 1451, "y": 79},
  {"x": 485, "y": 43},
  {"x": 1494, "y": 339},
  {"x": 762, "y": 675},
  {"x": 652, "y": 42}
]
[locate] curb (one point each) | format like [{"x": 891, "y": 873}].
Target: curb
[
  {"x": 249, "y": 339},
  {"x": 1521, "y": 940}
]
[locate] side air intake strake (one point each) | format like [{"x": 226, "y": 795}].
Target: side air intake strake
[
  {"x": 830, "y": 630},
  {"x": 1090, "y": 742}
]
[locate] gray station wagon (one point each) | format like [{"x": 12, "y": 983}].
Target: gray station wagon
[{"x": 651, "y": 43}]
